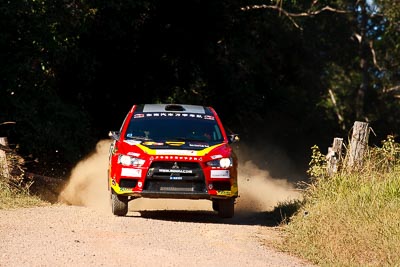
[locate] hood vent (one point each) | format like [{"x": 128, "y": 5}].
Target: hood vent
[{"x": 174, "y": 107}]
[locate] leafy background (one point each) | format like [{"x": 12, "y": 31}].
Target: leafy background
[{"x": 71, "y": 69}]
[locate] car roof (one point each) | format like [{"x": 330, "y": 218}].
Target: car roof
[{"x": 183, "y": 108}]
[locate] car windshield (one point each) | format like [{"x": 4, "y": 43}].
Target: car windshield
[{"x": 202, "y": 128}]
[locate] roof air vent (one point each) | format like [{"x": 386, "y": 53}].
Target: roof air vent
[{"x": 174, "y": 107}]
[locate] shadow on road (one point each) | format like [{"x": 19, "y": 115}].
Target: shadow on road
[{"x": 267, "y": 218}]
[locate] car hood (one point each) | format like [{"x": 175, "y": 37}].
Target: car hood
[{"x": 187, "y": 148}]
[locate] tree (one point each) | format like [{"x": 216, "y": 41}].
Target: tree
[
  {"x": 361, "y": 72},
  {"x": 36, "y": 38}
]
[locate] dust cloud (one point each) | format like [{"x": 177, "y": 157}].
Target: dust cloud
[
  {"x": 87, "y": 186},
  {"x": 258, "y": 191}
]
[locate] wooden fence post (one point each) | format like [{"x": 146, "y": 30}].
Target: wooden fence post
[
  {"x": 358, "y": 144},
  {"x": 3, "y": 158},
  {"x": 334, "y": 156}
]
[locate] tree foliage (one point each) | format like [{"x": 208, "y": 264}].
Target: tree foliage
[{"x": 70, "y": 70}]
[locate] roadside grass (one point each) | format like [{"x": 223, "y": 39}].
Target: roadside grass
[
  {"x": 353, "y": 217},
  {"x": 17, "y": 198},
  {"x": 14, "y": 189}
]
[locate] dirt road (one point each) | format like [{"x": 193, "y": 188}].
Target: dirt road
[
  {"x": 61, "y": 235},
  {"x": 156, "y": 232}
]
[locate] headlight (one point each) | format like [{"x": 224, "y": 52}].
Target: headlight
[
  {"x": 223, "y": 163},
  {"x": 130, "y": 161}
]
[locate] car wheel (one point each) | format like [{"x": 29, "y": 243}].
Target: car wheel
[
  {"x": 119, "y": 204},
  {"x": 226, "y": 208}
]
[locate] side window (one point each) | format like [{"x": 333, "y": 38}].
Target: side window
[{"x": 217, "y": 133}]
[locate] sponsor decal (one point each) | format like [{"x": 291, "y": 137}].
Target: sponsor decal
[
  {"x": 220, "y": 174},
  {"x": 129, "y": 172},
  {"x": 125, "y": 189},
  {"x": 175, "y": 170},
  {"x": 177, "y": 158},
  {"x": 175, "y": 178},
  {"x": 175, "y": 152},
  {"x": 223, "y": 193},
  {"x": 175, "y": 143},
  {"x": 134, "y": 154},
  {"x": 132, "y": 142},
  {"x": 198, "y": 145},
  {"x": 172, "y": 114},
  {"x": 153, "y": 144}
]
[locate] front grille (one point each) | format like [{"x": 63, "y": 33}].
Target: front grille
[
  {"x": 175, "y": 186},
  {"x": 175, "y": 177}
]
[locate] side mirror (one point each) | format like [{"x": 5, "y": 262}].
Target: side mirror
[
  {"x": 114, "y": 135},
  {"x": 233, "y": 138}
]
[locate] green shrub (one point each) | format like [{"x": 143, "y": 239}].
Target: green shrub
[{"x": 351, "y": 218}]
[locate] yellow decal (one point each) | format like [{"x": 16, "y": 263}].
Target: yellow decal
[
  {"x": 197, "y": 153},
  {"x": 149, "y": 143},
  {"x": 174, "y": 143},
  {"x": 232, "y": 192},
  {"x": 223, "y": 193},
  {"x": 119, "y": 190}
]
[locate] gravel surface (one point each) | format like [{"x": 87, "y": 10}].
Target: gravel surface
[
  {"x": 155, "y": 232},
  {"x": 63, "y": 235}
]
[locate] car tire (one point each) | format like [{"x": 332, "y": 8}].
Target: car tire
[
  {"x": 226, "y": 208},
  {"x": 215, "y": 205},
  {"x": 119, "y": 204}
]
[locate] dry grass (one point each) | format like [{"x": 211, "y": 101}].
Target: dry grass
[
  {"x": 11, "y": 198},
  {"x": 352, "y": 218},
  {"x": 14, "y": 189}
]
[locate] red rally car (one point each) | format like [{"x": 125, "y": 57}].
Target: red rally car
[{"x": 173, "y": 151}]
